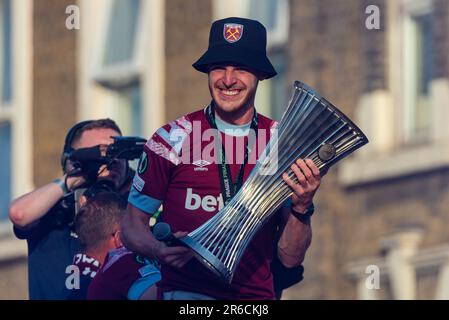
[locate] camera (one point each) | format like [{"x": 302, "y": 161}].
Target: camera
[{"x": 86, "y": 163}]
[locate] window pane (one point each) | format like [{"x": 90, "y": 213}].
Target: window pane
[
  {"x": 6, "y": 63},
  {"x": 265, "y": 11},
  {"x": 280, "y": 89},
  {"x": 129, "y": 111},
  {"x": 5, "y": 168},
  {"x": 424, "y": 49},
  {"x": 122, "y": 31},
  {"x": 136, "y": 111},
  {"x": 424, "y": 64}
]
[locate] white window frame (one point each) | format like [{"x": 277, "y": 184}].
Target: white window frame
[
  {"x": 147, "y": 65},
  {"x": 279, "y": 35},
  {"x": 410, "y": 9},
  {"x": 4, "y": 106},
  {"x": 18, "y": 113},
  {"x": 380, "y": 114},
  {"x": 118, "y": 74}
]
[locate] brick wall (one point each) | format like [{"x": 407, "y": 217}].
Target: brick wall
[
  {"x": 14, "y": 279},
  {"x": 54, "y": 108},
  {"x": 187, "y": 33},
  {"x": 331, "y": 50},
  {"x": 374, "y": 48},
  {"x": 441, "y": 38},
  {"x": 54, "y": 86},
  {"x": 326, "y": 53}
]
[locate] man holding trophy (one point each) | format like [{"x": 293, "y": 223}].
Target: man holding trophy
[{"x": 176, "y": 172}]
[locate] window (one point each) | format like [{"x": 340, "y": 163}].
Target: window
[
  {"x": 5, "y": 172},
  {"x": 280, "y": 88},
  {"x": 5, "y": 110},
  {"x": 15, "y": 116},
  {"x": 407, "y": 121},
  {"x": 273, "y": 14},
  {"x": 5, "y": 51},
  {"x": 122, "y": 32},
  {"x": 118, "y": 70},
  {"x": 417, "y": 69},
  {"x": 128, "y": 110},
  {"x": 272, "y": 96}
]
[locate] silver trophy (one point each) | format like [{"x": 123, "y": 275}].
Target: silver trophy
[{"x": 311, "y": 127}]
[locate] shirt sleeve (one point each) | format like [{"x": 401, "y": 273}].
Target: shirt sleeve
[
  {"x": 149, "y": 276},
  {"x": 153, "y": 174}
]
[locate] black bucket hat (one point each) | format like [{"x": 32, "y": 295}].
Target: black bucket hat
[{"x": 239, "y": 41}]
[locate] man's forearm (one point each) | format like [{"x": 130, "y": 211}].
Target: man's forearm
[
  {"x": 137, "y": 237},
  {"x": 34, "y": 205},
  {"x": 136, "y": 234},
  {"x": 294, "y": 242}
]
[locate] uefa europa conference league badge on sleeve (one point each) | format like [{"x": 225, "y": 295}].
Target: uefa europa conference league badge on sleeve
[{"x": 311, "y": 127}]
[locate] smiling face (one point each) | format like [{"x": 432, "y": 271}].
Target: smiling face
[{"x": 233, "y": 90}]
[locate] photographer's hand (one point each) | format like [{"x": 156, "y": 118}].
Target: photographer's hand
[
  {"x": 103, "y": 171},
  {"x": 73, "y": 182}
]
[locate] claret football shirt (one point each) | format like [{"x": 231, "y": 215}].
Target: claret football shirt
[{"x": 178, "y": 169}]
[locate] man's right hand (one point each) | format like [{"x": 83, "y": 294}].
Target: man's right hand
[
  {"x": 175, "y": 256},
  {"x": 136, "y": 236}
]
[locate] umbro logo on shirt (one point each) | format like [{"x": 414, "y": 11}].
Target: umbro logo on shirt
[{"x": 200, "y": 165}]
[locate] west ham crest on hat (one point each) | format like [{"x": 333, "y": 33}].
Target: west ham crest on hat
[
  {"x": 227, "y": 45},
  {"x": 232, "y": 32}
]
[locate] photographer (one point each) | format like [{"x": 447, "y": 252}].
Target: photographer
[{"x": 44, "y": 217}]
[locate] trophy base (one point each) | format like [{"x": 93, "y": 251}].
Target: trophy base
[{"x": 208, "y": 259}]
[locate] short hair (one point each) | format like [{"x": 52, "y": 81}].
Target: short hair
[
  {"x": 97, "y": 219},
  {"x": 96, "y": 124}
]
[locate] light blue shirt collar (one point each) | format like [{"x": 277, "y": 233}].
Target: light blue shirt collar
[{"x": 232, "y": 129}]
